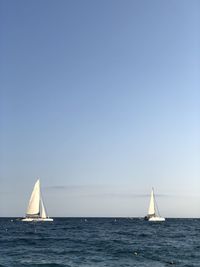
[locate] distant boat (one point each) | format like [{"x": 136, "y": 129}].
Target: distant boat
[
  {"x": 153, "y": 215},
  {"x": 36, "y": 211}
]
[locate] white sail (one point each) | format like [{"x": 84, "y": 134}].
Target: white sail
[
  {"x": 43, "y": 211},
  {"x": 151, "y": 210},
  {"x": 34, "y": 203}
]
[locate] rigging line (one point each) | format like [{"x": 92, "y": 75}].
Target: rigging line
[{"x": 157, "y": 206}]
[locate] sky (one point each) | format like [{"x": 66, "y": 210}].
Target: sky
[{"x": 101, "y": 101}]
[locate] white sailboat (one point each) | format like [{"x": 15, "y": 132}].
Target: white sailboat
[
  {"x": 36, "y": 210},
  {"x": 153, "y": 215}
]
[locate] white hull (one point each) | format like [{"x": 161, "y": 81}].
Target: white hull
[
  {"x": 37, "y": 220},
  {"x": 156, "y": 219}
]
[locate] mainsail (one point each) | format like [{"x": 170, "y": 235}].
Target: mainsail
[
  {"x": 151, "y": 210},
  {"x": 34, "y": 203}
]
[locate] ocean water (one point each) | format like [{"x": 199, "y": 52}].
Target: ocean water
[{"x": 100, "y": 242}]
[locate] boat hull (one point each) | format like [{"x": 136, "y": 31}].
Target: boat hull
[
  {"x": 37, "y": 220},
  {"x": 156, "y": 219}
]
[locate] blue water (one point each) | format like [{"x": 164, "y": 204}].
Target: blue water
[{"x": 100, "y": 242}]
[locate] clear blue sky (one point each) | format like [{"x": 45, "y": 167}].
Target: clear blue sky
[{"x": 101, "y": 100}]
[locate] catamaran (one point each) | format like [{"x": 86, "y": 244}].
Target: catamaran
[
  {"x": 153, "y": 215},
  {"x": 36, "y": 210}
]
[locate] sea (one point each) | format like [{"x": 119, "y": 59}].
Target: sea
[{"x": 82, "y": 242}]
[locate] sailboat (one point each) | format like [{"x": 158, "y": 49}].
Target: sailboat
[
  {"x": 153, "y": 215},
  {"x": 36, "y": 210}
]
